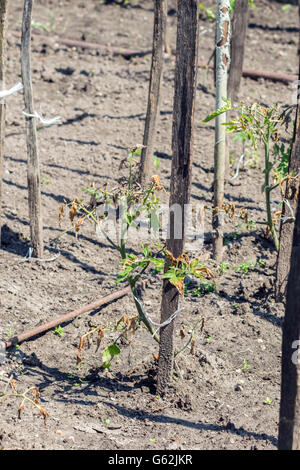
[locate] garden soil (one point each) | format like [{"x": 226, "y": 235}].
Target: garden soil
[{"x": 225, "y": 390}]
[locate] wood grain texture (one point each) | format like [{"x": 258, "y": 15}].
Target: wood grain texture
[
  {"x": 238, "y": 39},
  {"x": 182, "y": 151},
  {"x": 33, "y": 166},
  {"x": 3, "y": 15},
  {"x": 159, "y": 40}
]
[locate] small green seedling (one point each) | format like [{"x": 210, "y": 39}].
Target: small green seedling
[
  {"x": 245, "y": 267},
  {"x": 251, "y": 225},
  {"x": 268, "y": 401},
  {"x": 246, "y": 366},
  {"x": 223, "y": 267},
  {"x": 262, "y": 263},
  {"x": 59, "y": 331},
  {"x": 45, "y": 181},
  {"x": 205, "y": 288}
]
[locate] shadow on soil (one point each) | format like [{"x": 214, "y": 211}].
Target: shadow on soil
[{"x": 66, "y": 383}]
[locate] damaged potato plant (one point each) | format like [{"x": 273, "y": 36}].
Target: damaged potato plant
[
  {"x": 33, "y": 400},
  {"x": 127, "y": 212},
  {"x": 259, "y": 127}
]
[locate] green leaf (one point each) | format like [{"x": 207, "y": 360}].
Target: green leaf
[
  {"x": 194, "y": 263},
  {"x": 145, "y": 250},
  {"x": 108, "y": 353},
  {"x": 224, "y": 109},
  {"x": 286, "y": 7},
  {"x": 155, "y": 162}
]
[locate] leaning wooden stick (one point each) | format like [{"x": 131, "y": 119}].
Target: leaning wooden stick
[
  {"x": 239, "y": 30},
  {"x": 33, "y": 169},
  {"x": 159, "y": 34}
]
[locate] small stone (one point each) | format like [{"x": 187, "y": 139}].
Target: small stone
[{"x": 238, "y": 388}]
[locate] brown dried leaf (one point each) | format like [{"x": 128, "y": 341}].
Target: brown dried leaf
[
  {"x": 36, "y": 394},
  {"x": 182, "y": 333},
  {"x": 183, "y": 257},
  {"x": 137, "y": 147},
  {"x": 72, "y": 213},
  {"x": 193, "y": 347},
  {"x": 78, "y": 223},
  {"x": 179, "y": 286},
  {"x": 122, "y": 164},
  {"x": 13, "y": 385},
  {"x": 99, "y": 337},
  {"x": 132, "y": 323},
  {"x": 276, "y": 216},
  {"x": 60, "y": 215},
  {"x": 43, "y": 412},
  {"x": 79, "y": 352},
  {"x": 244, "y": 214},
  {"x": 156, "y": 181},
  {"x": 21, "y": 408}
]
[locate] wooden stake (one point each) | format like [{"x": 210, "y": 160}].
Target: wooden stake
[
  {"x": 159, "y": 40},
  {"x": 33, "y": 169},
  {"x": 289, "y": 421},
  {"x": 222, "y": 62},
  {"x": 182, "y": 149},
  {"x": 3, "y": 14},
  {"x": 239, "y": 31},
  {"x": 291, "y": 195}
]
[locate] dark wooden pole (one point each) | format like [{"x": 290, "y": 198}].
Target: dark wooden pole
[
  {"x": 182, "y": 150},
  {"x": 33, "y": 169},
  {"x": 238, "y": 39},
  {"x": 289, "y": 422},
  {"x": 159, "y": 39},
  {"x": 3, "y": 14},
  {"x": 291, "y": 195}
]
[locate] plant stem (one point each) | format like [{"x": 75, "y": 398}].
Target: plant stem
[
  {"x": 142, "y": 315},
  {"x": 268, "y": 189}
]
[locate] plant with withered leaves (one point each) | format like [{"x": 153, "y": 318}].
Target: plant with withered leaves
[
  {"x": 30, "y": 396},
  {"x": 132, "y": 206}
]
